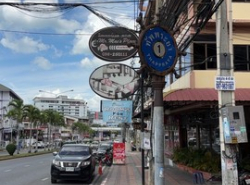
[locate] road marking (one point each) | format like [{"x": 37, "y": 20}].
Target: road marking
[
  {"x": 104, "y": 181},
  {"x": 45, "y": 179},
  {"x": 27, "y": 165},
  {"x": 7, "y": 170}
]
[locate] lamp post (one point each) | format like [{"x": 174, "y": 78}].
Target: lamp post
[{"x": 56, "y": 94}]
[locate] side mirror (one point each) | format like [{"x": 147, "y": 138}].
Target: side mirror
[{"x": 54, "y": 153}]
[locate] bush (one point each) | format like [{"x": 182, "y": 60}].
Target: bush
[
  {"x": 199, "y": 159},
  {"x": 11, "y": 148}
]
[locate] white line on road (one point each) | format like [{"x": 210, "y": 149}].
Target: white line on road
[
  {"x": 45, "y": 179},
  {"x": 104, "y": 181},
  {"x": 7, "y": 170}
]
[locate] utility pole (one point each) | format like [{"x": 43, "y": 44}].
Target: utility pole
[
  {"x": 158, "y": 83},
  {"x": 225, "y": 98}
]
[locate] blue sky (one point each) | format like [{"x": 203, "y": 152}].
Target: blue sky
[{"x": 50, "y": 51}]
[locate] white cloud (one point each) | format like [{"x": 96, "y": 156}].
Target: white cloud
[
  {"x": 25, "y": 45},
  {"x": 81, "y": 41},
  {"x": 42, "y": 63},
  {"x": 95, "y": 62}
]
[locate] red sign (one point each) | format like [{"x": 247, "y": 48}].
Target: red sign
[{"x": 119, "y": 153}]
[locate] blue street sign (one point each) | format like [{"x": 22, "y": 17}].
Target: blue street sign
[{"x": 158, "y": 49}]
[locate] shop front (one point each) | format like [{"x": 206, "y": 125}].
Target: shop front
[{"x": 192, "y": 119}]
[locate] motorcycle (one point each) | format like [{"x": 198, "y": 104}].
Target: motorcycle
[
  {"x": 244, "y": 177},
  {"x": 106, "y": 158}
]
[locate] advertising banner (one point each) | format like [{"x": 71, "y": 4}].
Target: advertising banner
[
  {"x": 117, "y": 111},
  {"x": 119, "y": 153}
]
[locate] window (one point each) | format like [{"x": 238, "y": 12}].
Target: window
[
  {"x": 204, "y": 56},
  {"x": 241, "y": 58},
  {"x": 207, "y": 52}
]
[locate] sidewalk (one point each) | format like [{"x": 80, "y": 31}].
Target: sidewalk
[{"x": 131, "y": 173}]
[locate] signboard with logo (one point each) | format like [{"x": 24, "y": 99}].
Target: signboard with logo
[
  {"x": 119, "y": 153},
  {"x": 114, "y": 44},
  {"x": 158, "y": 49},
  {"x": 117, "y": 111},
  {"x": 114, "y": 81}
]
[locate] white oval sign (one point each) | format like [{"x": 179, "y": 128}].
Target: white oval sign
[{"x": 114, "y": 81}]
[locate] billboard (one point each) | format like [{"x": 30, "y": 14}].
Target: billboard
[
  {"x": 114, "y": 81},
  {"x": 117, "y": 111},
  {"x": 114, "y": 44}
]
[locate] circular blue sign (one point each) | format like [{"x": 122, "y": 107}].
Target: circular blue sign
[{"x": 158, "y": 49}]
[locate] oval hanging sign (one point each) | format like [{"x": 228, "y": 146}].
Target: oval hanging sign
[
  {"x": 114, "y": 81},
  {"x": 114, "y": 44}
]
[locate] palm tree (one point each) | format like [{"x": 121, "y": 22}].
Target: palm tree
[
  {"x": 53, "y": 118},
  {"x": 16, "y": 113},
  {"x": 32, "y": 113}
]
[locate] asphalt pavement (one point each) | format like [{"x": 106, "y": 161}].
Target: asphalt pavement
[{"x": 130, "y": 173}]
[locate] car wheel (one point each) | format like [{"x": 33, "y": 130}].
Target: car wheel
[{"x": 53, "y": 181}]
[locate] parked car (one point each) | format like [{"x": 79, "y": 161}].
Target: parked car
[
  {"x": 40, "y": 144},
  {"x": 73, "y": 162}
]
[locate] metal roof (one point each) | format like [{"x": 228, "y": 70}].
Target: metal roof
[{"x": 206, "y": 94}]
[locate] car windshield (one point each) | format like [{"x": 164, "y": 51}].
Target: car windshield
[
  {"x": 104, "y": 147},
  {"x": 74, "y": 150}
]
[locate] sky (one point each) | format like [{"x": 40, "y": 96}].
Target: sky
[{"x": 49, "y": 51}]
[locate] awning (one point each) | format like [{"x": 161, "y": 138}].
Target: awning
[{"x": 203, "y": 95}]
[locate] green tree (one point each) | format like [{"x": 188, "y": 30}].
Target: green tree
[
  {"x": 81, "y": 128},
  {"x": 53, "y": 118},
  {"x": 33, "y": 114},
  {"x": 16, "y": 113}
]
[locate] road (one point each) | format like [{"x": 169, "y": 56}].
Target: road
[{"x": 35, "y": 170}]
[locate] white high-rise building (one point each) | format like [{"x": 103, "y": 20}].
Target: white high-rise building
[{"x": 63, "y": 104}]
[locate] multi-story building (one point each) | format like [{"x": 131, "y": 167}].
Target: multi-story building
[
  {"x": 63, "y": 104},
  {"x": 7, "y": 126},
  {"x": 73, "y": 110},
  {"x": 190, "y": 96}
]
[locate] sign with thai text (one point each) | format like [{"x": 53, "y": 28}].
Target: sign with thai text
[
  {"x": 225, "y": 83},
  {"x": 158, "y": 49}
]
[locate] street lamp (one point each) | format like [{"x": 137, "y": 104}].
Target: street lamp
[{"x": 56, "y": 94}]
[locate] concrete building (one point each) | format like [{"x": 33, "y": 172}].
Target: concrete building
[
  {"x": 63, "y": 104},
  {"x": 7, "y": 125},
  {"x": 73, "y": 110},
  {"x": 191, "y": 108}
]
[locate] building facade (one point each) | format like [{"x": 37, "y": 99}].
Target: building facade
[
  {"x": 63, "y": 104},
  {"x": 191, "y": 101},
  {"x": 73, "y": 110},
  {"x": 7, "y": 126}
]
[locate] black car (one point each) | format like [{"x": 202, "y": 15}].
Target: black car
[{"x": 73, "y": 162}]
